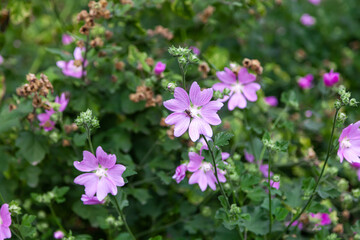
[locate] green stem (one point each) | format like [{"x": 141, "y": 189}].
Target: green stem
[
  {"x": 2, "y": 198},
  {"x": 279, "y": 117},
  {"x": 216, "y": 173},
  {"x": 19, "y": 236},
  {"x": 56, "y": 218},
  {"x": 270, "y": 213},
  {"x": 321, "y": 174},
  {"x": 88, "y": 134},
  {"x": 118, "y": 209}
]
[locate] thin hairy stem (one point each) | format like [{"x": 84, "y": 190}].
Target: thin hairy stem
[
  {"x": 88, "y": 134},
  {"x": 270, "y": 212},
  {"x": 118, "y": 209}
]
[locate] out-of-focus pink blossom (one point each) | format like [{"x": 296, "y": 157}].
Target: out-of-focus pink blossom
[
  {"x": 308, "y": 113},
  {"x": 5, "y": 222},
  {"x": 45, "y": 120},
  {"x": 306, "y": 82},
  {"x": 159, "y": 68},
  {"x": 91, "y": 200},
  {"x": 59, "y": 234},
  {"x": 331, "y": 78},
  {"x": 195, "y": 50},
  {"x": 307, "y": 20},
  {"x": 271, "y": 100},
  {"x": 349, "y": 143},
  {"x": 67, "y": 39},
  {"x": 296, "y": 223},
  {"x": 249, "y": 157},
  {"x": 1, "y": 60},
  {"x": 180, "y": 173},
  {"x": 196, "y": 113},
  {"x": 275, "y": 184},
  {"x": 63, "y": 101},
  {"x": 73, "y": 68},
  {"x": 315, "y": 2},
  {"x": 323, "y": 217}
]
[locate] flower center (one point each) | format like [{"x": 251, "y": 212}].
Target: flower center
[
  {"x": 101, "y": 172},
  {"x": 345, "y": 143},
  {"x": 193, "y": 111},
  {"x": 238, "y": 87},
  {"x": 206, "y": 166}
]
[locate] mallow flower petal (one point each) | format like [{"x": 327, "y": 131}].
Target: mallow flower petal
[
  {"x": 226, "y": 76},
  {"x": 61, "y": 64},
  {"x": 6, "y": 231},
  {"x": 351, "y": 156},
  {"x": 208, "y": 112},
  {"x": 175, "y": 105},
  {"x": 250, "y": 91},
  {"x": 198, "y": 97},
  {"x": 105, "y": 160},
  {"x": 199, "y": 126},
  {"x": 199, "y": 177},
  {"x": 89, "y": 162},
  {"x": 181, "y": 122},
  {"x": 195, "y": 161},
  {"x": 90, "y": 181},
  {"x": 236, "y": 100},
  {"x": 5, "y": 215},
  {"x": 221, "y": 86},
  {"x": 211, "y": 180},
  {"x": 115, "y": 174},
  {"x": 181, "y": 95},
  {"x": 105, "y": 186},
  {"x": 245, "y": 77}
]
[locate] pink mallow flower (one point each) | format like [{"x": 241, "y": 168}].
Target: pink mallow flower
[
  {"x": 103, "y": 174},
  {"x": 195, "y": 50},
  {"x": 67, "y": 39},
  {"x": 63, "y": 101},
  {"x": 296, "y": 223},
  {"x": 315, "y": 2},
  {"x": 307, "y": 20},
  {"x": 271, "y": 101},
  {"x": 1, "y": 60},
  {"x": 203, "y": 172},
  {"x": 72, "y": 68},
  {"x": 45, "y": 120},
  {"x": 159, "y": 68},
  {"x": 195, "y": 114},
  {"x": 331, "y": 78},
  {"x": 5, "y": 222},
  {"x": 180, "y": 173},
  {"x": 91, "y": 200},
  {"x": 275, "y": 184},
  {"x": 249, "y": 157},
  {"x": 349, "y": 143},
  {"x": 323, "y": 217},
  {"x": 59, "y": 235},
  {"x": 242, "y": 88},
  {"x": 306, "y": 82}
]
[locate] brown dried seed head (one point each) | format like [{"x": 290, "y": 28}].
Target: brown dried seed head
[
  {"x": 170, "y": 132},
  {"x": 89, "y": 22},
  {"x": 339, "y": 228},
  {"x": 92, "y": 4},
  {"x": 65, "y": 143},
  {"x": 246, "y": 62},
  {"x": 74, "y": 127},
  {"x": 30, "y": 117},
  {"x": 82, "y": 15},
  {"x": 80, "y": 44},
  {"x": 114, "y": 78},
  {"x": 259, "y": 70},
  {"x": 84, "y": 30},
  {"x": 37, "y": 103},
  {"x": 133, "y": 97},
  {"x": 31, "y": 77},
  {"x": 108, "y": 34},
  {"x": 346, "y": 214},
  {"x": 67, "y": 129},
  {"x": 12, "y": 107},
  {"x": 107, "y": 14},
  {"x": 20, "y": 91},
  {"x": 162, "y": 123},
  {"x": 130, "y": 2},
  {"x": 149, "y": 61},
  {"x": 158, "y": 99},
  {"x": 120, "y": 65},
  {"x": 103, "y": 3},
  {"x": 304, "y": 218},
  {"x": 44, "y": 91}
]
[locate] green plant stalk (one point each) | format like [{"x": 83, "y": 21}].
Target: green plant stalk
[
  {"x": 270, "y": 212},
  {"x": 88, "y": 134},
  {"x": 56, "y": 218},
  {"x": 118, "y": 209},
  {"x": 2, "y": 198},
  {"x": 216, "y": 173},
  {"x": 321, "y": 174}
]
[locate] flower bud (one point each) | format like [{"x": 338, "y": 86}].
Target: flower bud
[
  {"x": 356, "y": 192},
  {"x": 276, "y": 178},
  {"x": 236, "y": 157},
  {"x": 353, "y": 102},
  {"x": 343, "y": 185},
  {"x": 337, "y": 104},
  {"x": 171, "y": 86},
  {"x": 206, "y": 211},
  {"x": 87, "y": 120},
  {"x": 218, "y": 95},
  {"x": 226, "y": 91},
  {"x": 14, "y": 208}
]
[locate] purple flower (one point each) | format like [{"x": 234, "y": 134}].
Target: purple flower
[
  {"x": 180, "y": 173},
  {"x": 63, "y": 101},
  {"x": 203, "y": 172},
  {"x": 307, "y": 20},
  {"x": 271, "y": 100},
  {"x": 275, "y": 184},
  {"x": 73, "y": 68},
  {"x": 195, "y": 114},
  {"x": 331, "y": 78},
  {"x": 249, "y": 157},
  {"x": 195, "y": 50},
  {"x": 242, "y": 88},
  {"x": 67, "y": 39},
  {"x": 1, "y": 60},
  {"x": 264, "y": 169},
  {"x": 45, "y": 120},
  {"x": 315, "y": 2},
  {"x": 159, "y": 68},
  {"x": 103, "y": 174},
  {"x": 91, "y": 200},
  {"x": 306, "y": 82},
  {"x": 295, "y": 223},
  {"x": 349, "y": 143},
  {"x": 5, "y": 222},
  {"x": 308, "y": 113},
  {"x": 59, "y": 234},
  {"x": 323, "y": 217}
]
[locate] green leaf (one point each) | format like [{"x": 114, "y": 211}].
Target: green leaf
[
  {"x": 328, "y": 192},
  {"x": 281, "y": 146},
  {"x": 281, "y": 213},
  {"x": 26, "y": 227},
  {"x": 142, "y": 195},
  {"x": 59, "y": 193},
  {"x": 222, "y": 138},
  {"x": 223, "y": 201},
  {"x": 308, "y": 185},
  {"x": 12, "y": 119},
  {"x": 32, "y": 147}
]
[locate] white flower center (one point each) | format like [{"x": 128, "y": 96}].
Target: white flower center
[
  {"x": 193, "y": 111},
  {"x": 345, "y": 143},
  {"x": 101, "y": 172},
  {"x": 206, "y": 166},
  {"x": 238, "y": 87}
]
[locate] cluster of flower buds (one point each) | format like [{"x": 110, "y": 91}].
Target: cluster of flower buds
[
  {"x": 14, "y": 208},
  {"x": 160, "y": 30},
  {"x": 206, "y": 14},
  {"x": 221, "y": 95},
  {"x": 254, "y": 65},
  {"x": 36, "y": 88},
  {"x": 234, "y": 212},
  {"x": 345, "y": 99},
  {"x": 340, "y": 120},
  {"x": 147, "y": 94},
  {"x": 112, "y": 221},
  {"x": 87, "y": 120},
  {"x": 184, "y": 55},
  {"x": 97, "y": 10}
]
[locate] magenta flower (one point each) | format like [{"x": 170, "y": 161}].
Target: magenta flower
[
  {"x": 331, "y": 78},
  {"x": 180, "y": 173},
  {"x": 63, "y": 101},
  {"x": 249, "y": 157},
  {"x": 91, "y": 200},
  {"x": 315, "y": 2},
  {"x": 59, "y": 234},
  {"x": 296, "y": 223},
  {"x": 73, "y": 68},
  {"x": 67, "y": 39},
  {"x": 195, "y": 114},
  {"x": 1, "y": 60},
  {"x": 275, "y": 184},
  {"x": 195, "y": 50},
  {"x": 103, "y": 174},
  {"x": 306, "y": 82},
  {"x": 203, "y": 172},
  {"x": 349, "y": 143},
  {"x": 264, "y": 169},
  {"x": 159, "y": 68},
  {"x": 45, "y": 120},
  {"x": 308, "y": 113},
  {"x": 307, "y": 20},
  {"x": 323, "y": 217},
  {"x": 271, "y": 101},
  {"x": 5, "y": 222},
  {"x": 242, "y": 88}
]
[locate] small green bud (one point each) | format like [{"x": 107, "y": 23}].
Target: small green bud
[
  {"x": 218, "y": 95},
  {"x": 236, "y": 157},
  {"x": 347, "y": 200},
  {"x": 110, "y": 220},
  {"x": 356, "y": 192},
  {"x": 343, "y": 185},
  {"x": 357, "y": 236},
  {"x": 341, "y": 118},
  {"x": 14, "y": 208},
  {"x": 276, "y": 178},
  {"x": 182, "y": 60},
  {"x": 341, "y": 90},
  {"x": 353, "y": 102},
  {"x": 192, "y": 149},
  {"x": 226, "y": 91},
  {"x": 193, "y": 58},
  {"x": 206, "y": 211},
  {"x": 41, "y": 214},
  {"x": 171, "y": 86},
  {"x": 337, "y": 104}
]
